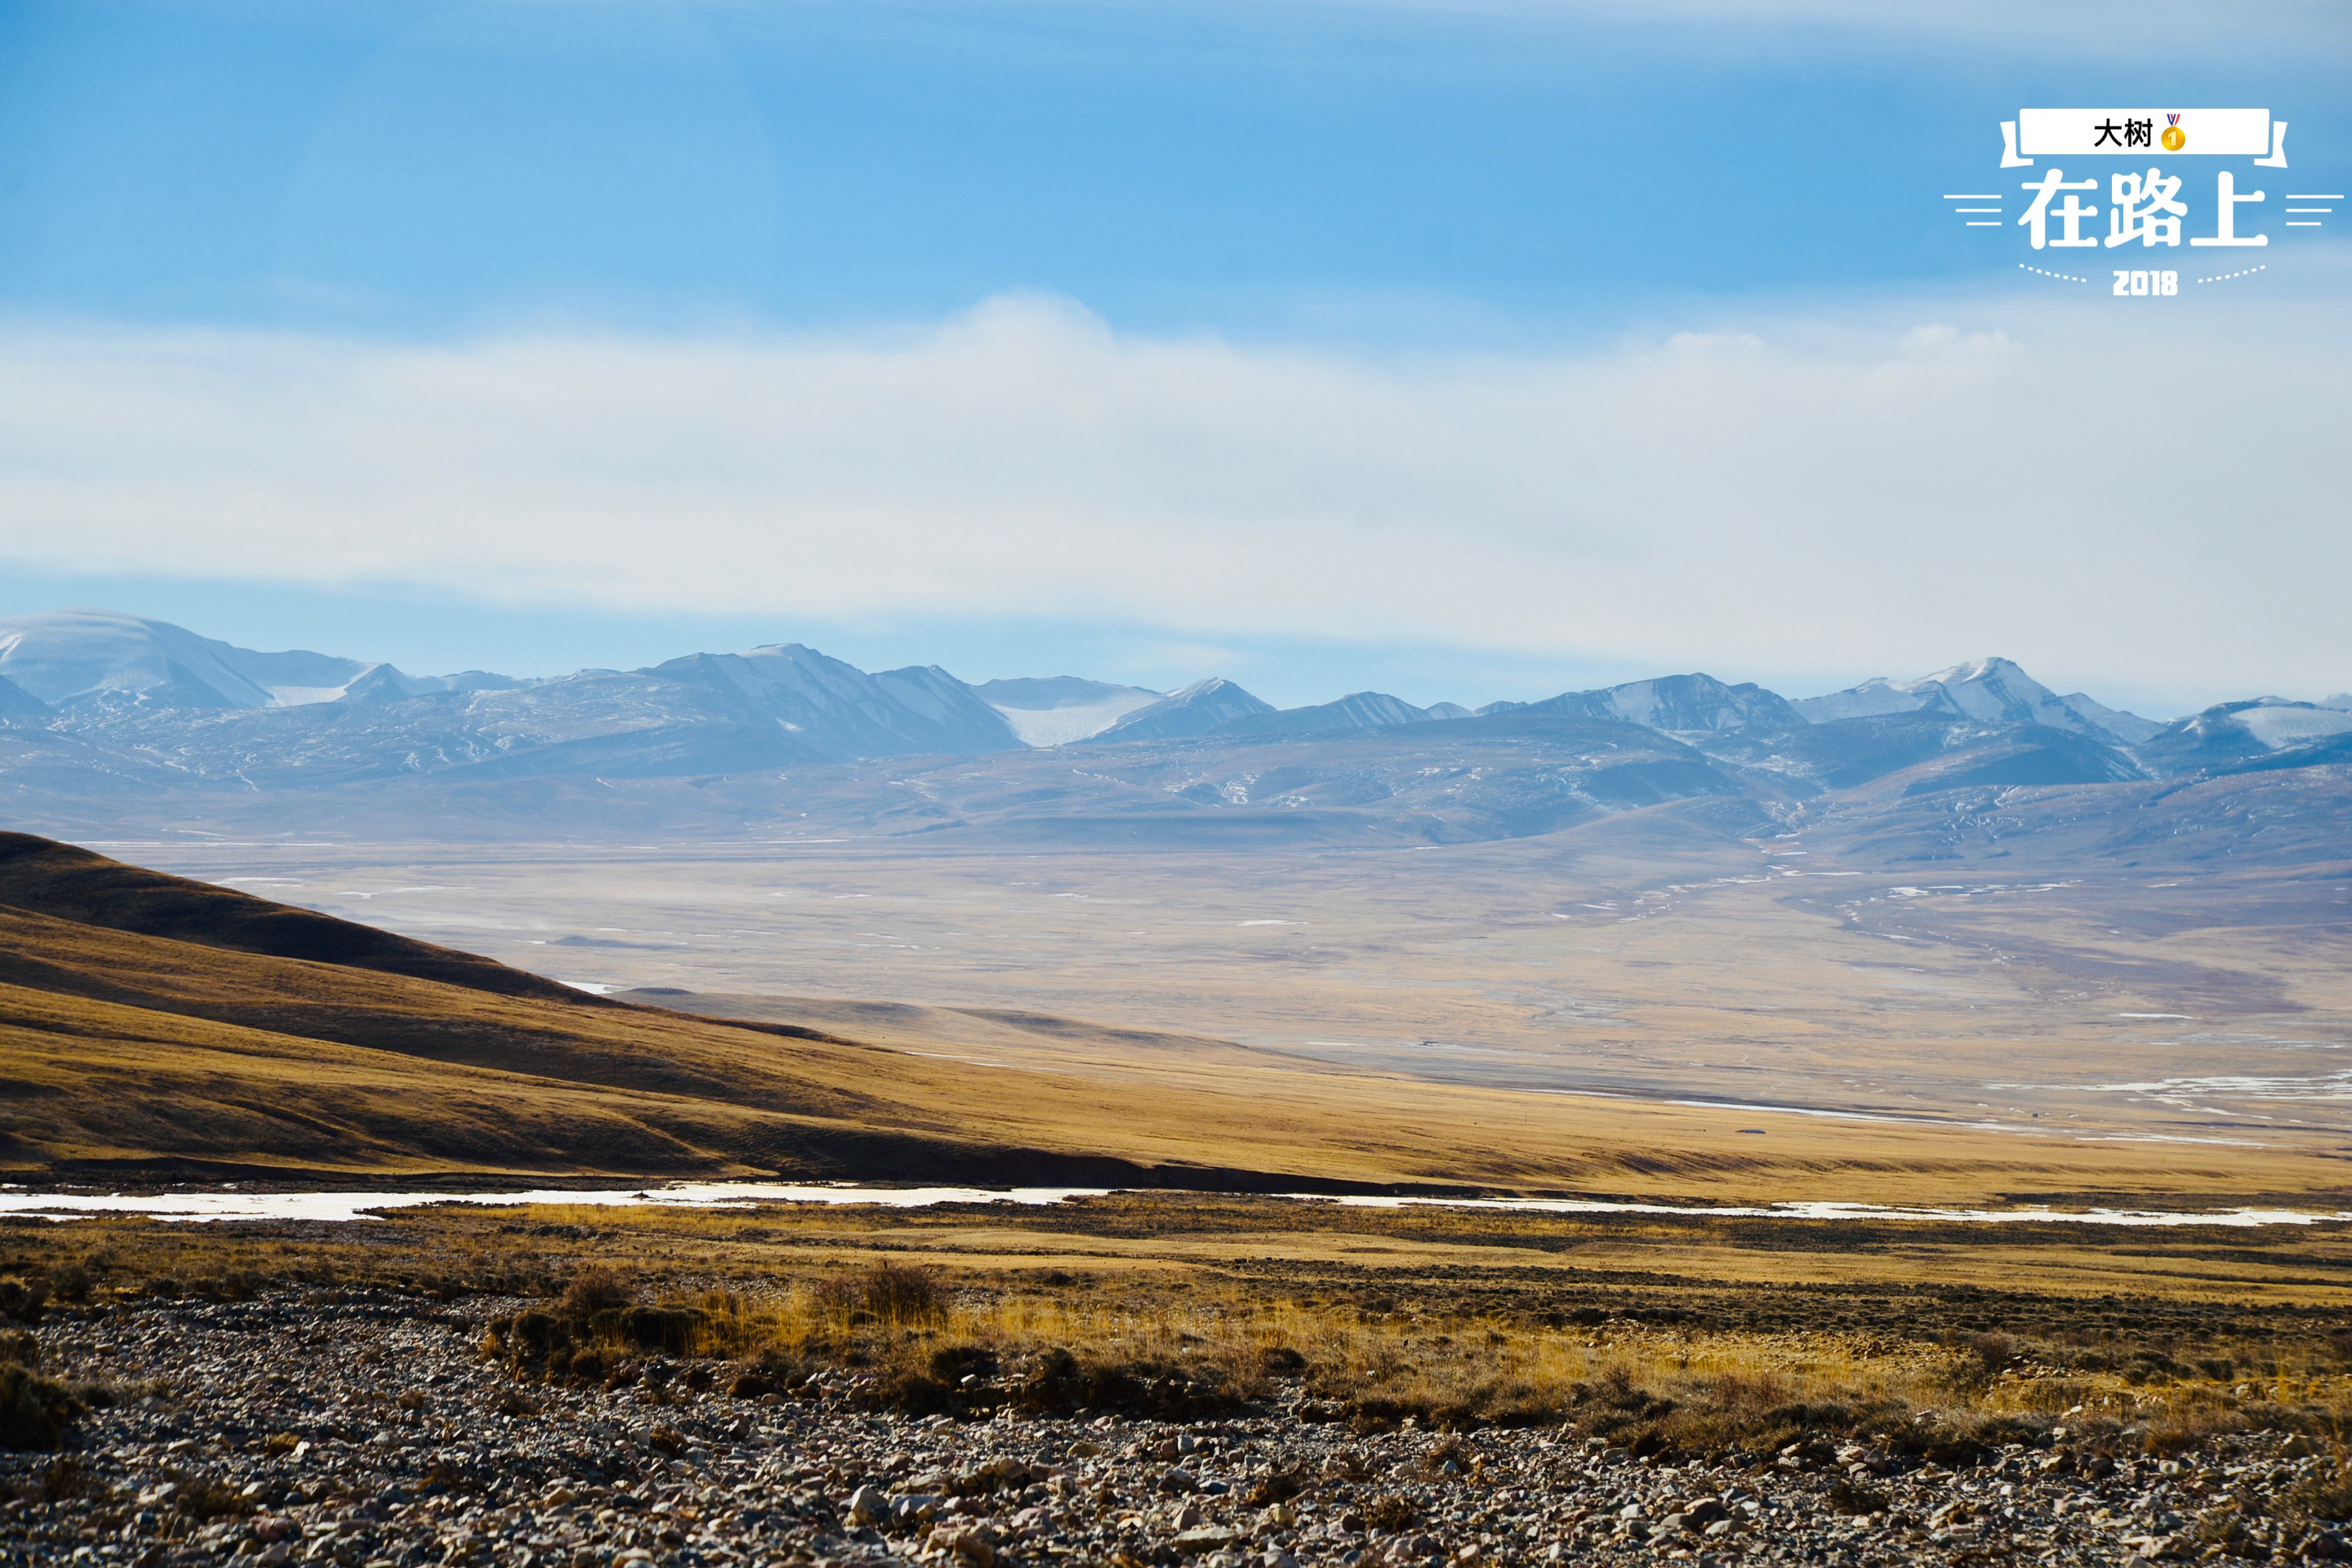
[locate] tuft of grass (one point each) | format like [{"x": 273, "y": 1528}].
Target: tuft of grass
[
  {"x": 70, "y": 1283},
  {"x": 208, "y": 1497},
  {"x": 595, "y": 1290},
  {"x": 35, "y": 1411},
  {"x": 22, "y": 1299},
  {"x": 891, "y": 1294}
]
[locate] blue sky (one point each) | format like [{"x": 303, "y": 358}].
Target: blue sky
[{"x": 1314, "y": 208}]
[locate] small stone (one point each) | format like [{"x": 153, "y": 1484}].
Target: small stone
[
  {"x": 1204, "y": 1538},
  {"x": 971, "y": 1546}
]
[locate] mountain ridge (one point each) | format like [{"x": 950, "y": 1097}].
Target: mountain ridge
[{"x": 173, "y": 727}]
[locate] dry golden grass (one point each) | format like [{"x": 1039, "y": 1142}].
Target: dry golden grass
[{"x": 1464, "y": 1316}]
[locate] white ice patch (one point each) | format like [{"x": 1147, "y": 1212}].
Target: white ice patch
[
  {"x": 2279, "y": 728},
  {"x": 303, "y": 696},
  {"x": 230, "y": 1204},
  {"x": 1060, "y": 726}
]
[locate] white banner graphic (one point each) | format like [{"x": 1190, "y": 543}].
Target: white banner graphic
[{"x": 2133, "y": 132}]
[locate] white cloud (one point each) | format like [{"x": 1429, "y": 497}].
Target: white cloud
[{"x": 2077, "y": 485}]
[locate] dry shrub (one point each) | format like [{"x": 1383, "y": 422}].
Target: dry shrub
[
  {"x": 889, "y": 1293},
  {"x": 69, "y": 1282},
  {"x": 595, "y": 1291},
  {"x": 1390, "y": 1512},
  {"x": 1980, "y": 1360},
  {"x": 2191, "y": 1421},
  {"x": 35, "y": 1411},
  {"x": 205, "y": 1498},
  {"x": 2326, "y": 1497},
  {"x": 22, "y": 1299},
  {"x": 591, "y": 1330},
  {"x": 1850, "y": 1497},
  {"x": 63, "y": 1479}
]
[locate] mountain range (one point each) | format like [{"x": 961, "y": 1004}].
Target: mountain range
[{"x": 98, "y": 706}]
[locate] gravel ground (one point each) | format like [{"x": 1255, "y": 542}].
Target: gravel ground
[{"x": 370, "y": 1430}]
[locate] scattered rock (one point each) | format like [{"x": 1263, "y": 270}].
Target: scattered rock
[{"x": 348, "y": 1429}]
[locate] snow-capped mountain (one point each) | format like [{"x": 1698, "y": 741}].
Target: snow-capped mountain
[
  {"x": 1672, "y": 703},
  {"x": 840, "y": 708},
  {"x": 383, "y": 683},
  {"x": 1357, "y": 710},
  {"x": 1992, "y": 691},
  {"x": 2233, "y": 733},
  {"x": 1056, "y": 709},
  {"x": 768, "y": 705},
  {"x": 1196, "y": 710},
  {"x": 68, "y": 657},
  {"x": 92, "y": 702},
  {"x": 65, "y": 656}
]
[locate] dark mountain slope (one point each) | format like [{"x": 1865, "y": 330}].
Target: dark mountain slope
[{"x": 42, "y": 877}]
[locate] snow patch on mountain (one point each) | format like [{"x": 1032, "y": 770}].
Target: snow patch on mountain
[
  {"x": 2279, "y": 725},
  {"x": 1054, "y": 710},
  {"x": 64, "y": 655}
]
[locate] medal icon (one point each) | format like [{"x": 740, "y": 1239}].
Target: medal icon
[{"x": 2174, "y": 138}]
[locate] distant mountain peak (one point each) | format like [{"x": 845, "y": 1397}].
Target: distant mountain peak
[
  {"x": 1990, "y": 690},
  {"x": 1991, "y": 667},
  {"x": 1674, "y": 704},
  {"x": 1357, "y": 710},
  {"x": 1193, "y": 710}
]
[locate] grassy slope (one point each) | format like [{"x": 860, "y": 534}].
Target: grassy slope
[{"x": 154, "y": 1048}]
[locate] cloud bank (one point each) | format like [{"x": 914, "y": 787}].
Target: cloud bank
[{"x": 2083, "y": 488}]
